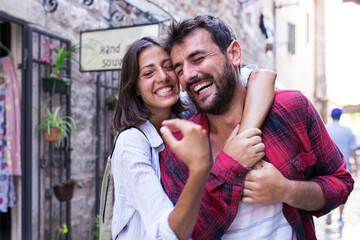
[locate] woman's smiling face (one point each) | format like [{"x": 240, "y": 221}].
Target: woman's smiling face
[{"x": 157, "y": 84}]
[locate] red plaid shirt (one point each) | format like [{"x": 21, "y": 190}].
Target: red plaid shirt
[{"x": 297, "y": 144}]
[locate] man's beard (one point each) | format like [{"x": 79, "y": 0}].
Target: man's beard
[{"x": 225, "y": 90}]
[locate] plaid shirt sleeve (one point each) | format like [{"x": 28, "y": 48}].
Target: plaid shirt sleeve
[
  {"x": 222, "y": 193},
  {"x": 331, "y": 173},
  {"x": 298, "y": 145}
]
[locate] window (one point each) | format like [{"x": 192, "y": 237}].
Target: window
[
  {"x": 291, "y": 38},
  {"x": 307, "y": 28}
]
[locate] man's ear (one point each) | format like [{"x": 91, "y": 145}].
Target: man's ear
[{"x": 234, "y": 53}]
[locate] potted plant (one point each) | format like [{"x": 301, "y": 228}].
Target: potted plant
[
  {"x": 57, "y": 127},
  {"x": 55, "y": 81},
  {"x": 64, "y": 191},
  {"x": 111, "y": 101},
  {"x": 61, "y": 231}
]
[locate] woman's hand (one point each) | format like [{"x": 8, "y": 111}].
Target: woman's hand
[{"x": 193, "y": 148}]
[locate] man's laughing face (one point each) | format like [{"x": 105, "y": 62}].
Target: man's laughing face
[{"x": 205, "y": 72}]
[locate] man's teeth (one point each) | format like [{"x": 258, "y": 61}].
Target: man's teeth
[
  {"x": 204, "y": 89},
  {"x": 163, "y": 91},
  {"x": 205, "y": 85}
]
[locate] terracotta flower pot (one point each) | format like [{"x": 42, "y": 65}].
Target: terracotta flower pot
[
  {"x": 54, "y": 135},
  {"x": 64, "y": 191}
]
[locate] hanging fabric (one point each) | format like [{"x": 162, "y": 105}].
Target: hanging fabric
[
  {"x": 6, "y": 182},
  {"x": 7, "y": 189},
  {"x": 267, "y": 28},
  {"x": 12, "y": 113}
]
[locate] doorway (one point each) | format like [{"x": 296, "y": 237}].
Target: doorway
[
  {"x": 40, "y": 163},
  {"x": 11, "y": 74}
]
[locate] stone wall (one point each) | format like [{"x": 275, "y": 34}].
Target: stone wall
[{"x": 243, "y": 18}]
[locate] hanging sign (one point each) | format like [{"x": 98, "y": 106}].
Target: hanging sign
[{"x": 103, "y": 50}]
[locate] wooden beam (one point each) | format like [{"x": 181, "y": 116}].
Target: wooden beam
[
  {"x": 354, "y": 1},
  {"x": 352, "y": 108}
]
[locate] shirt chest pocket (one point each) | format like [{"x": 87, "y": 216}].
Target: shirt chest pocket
[{"x": 304, "y": 164}]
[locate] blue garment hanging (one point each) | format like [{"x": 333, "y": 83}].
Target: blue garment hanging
[{"x": 7, "y": 188}]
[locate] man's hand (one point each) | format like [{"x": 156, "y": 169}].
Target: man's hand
[
  {"x": 245, "y": 147},
  {"x": 193, "y": 148},
  {"x": 264, "y": 185}
]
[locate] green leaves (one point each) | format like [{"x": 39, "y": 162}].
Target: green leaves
[
  {"x": 62, "y": 231},
  {"x": 65, "y": 124},
  {"x": 62, "y": 57}
]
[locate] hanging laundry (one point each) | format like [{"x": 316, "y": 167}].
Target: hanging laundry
[
  {"x": 7, "y": 191},
  {"x": 267, "y": 28},
  {"x": 12, "y": 113},
  {"x": 262, "y": 26}
]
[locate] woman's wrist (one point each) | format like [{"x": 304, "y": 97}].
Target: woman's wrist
[{"x": 200, "y": 170}]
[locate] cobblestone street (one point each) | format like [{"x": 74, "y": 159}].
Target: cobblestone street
[{"x": 351, "y": 218}]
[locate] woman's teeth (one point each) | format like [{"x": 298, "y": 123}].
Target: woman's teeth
[{"x": 163, "y": 91}]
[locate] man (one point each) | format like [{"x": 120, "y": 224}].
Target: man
[
  {"x": 302, "y": 174},
  {"x": 342, "y": 136},
  {"x": 345, "y": 140}
]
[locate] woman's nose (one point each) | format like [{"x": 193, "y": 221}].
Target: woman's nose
[{"x": 161, "y": 76}]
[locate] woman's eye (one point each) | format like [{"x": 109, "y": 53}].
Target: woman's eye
[
  {"x": 169, "y": 67},
  {"x": 147, "y": 74}
]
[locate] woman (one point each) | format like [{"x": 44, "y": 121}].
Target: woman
[{"x": 149, "y": 94}]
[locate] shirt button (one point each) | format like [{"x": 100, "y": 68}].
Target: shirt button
[{"x": 240, "y": 175}]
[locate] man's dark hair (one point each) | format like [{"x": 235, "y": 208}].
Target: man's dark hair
[
  {"x": 130, "y": 109},
  {"x": 220, "y": 32}
]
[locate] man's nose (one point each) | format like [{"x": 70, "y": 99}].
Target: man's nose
[{"x": 189, "y": 72}]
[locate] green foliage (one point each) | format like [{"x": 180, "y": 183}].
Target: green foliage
[
  {"x": 61, "y": 231},
  {"x": 96, "y": 232},
  {"x": 111, "y": 102},
  {"x": 61, "y": 59},
  {"x": 76, "y": 183},
  {"x": 355, "y": 116},
  {"x": 65, "y": 124}
]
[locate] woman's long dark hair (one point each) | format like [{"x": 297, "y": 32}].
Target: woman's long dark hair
[{"x": 130, "y": 109}]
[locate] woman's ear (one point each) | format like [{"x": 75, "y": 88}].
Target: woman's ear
[{"x": 234, "y": 53}]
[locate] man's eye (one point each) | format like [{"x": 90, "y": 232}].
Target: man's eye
[
  {"x": 198, "y": 59},
  {"x": 179, "y": 72}
]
